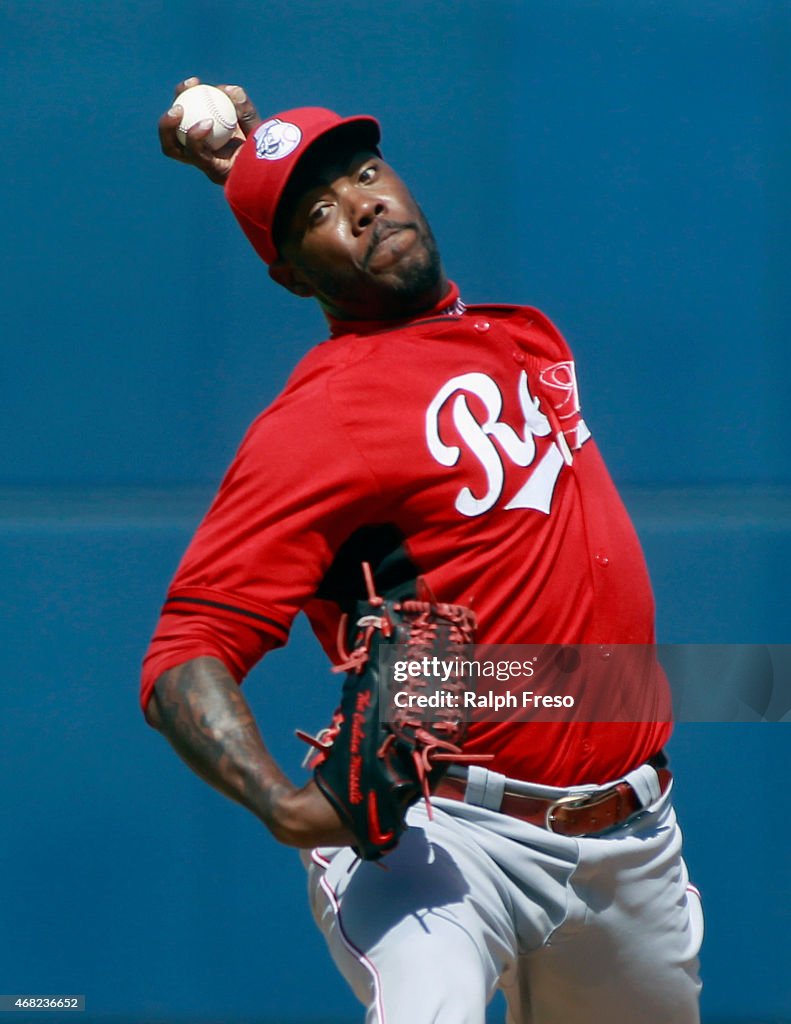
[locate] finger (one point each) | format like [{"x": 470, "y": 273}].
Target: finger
[
  {"x": 198, "y": 153},
  {"x": 169, "y": 122},
  {"x": 168, "y": 137},
  {"x": 188, "y": 83},
  {"x": 246, "y": 113},
  {"x": 195, "y": 148}
]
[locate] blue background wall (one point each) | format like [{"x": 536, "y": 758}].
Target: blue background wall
[{"x": 624, "y": 166}]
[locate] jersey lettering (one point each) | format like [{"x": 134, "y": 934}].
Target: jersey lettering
[{"x": 479, "y": 437}]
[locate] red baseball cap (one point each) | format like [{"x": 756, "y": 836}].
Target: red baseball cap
[{"x": 267, "y": 160}]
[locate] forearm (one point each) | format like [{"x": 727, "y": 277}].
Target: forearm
[{"x": 200, "y": 709}]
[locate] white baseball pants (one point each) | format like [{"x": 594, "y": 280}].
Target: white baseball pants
[{"x": 594, "y": 930}]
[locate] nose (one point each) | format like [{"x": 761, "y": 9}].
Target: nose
[{"x": 364, "y": 209}]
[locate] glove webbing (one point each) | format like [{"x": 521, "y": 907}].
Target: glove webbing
[{"x": 424, "y": 618}]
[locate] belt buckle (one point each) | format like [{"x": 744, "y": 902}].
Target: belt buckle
[{"x": 572, "y": 800}]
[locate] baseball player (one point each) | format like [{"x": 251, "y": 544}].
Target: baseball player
[{"x": 443, "y": 446}]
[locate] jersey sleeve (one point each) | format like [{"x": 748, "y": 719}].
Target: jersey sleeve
[{"x": 296, "y": 490}]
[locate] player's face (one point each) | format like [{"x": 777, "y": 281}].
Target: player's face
[{"x": 358, "y": 242}]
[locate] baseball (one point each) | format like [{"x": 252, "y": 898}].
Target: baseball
[{"x": 204, "y": 102}]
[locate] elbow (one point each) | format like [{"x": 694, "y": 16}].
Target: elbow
[{"x": 152, "y": 713}]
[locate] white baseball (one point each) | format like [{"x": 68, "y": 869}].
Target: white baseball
[{"x": 203, "y": 103}]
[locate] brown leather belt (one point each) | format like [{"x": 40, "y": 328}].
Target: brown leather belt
[{"x": 573, "y": 815}]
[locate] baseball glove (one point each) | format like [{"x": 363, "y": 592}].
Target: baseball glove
[{"x": 370, "y": 770}]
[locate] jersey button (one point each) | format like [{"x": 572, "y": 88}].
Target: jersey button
[
  {"x": 519, "y": 358},
  {"x": 602, "y": 559},
  {"x": 482, "y": 326}
]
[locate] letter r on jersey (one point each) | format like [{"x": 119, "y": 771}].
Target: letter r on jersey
[{"x": 479, "y": 435}]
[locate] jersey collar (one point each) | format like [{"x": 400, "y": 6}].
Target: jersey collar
[{"x": 450, "y": 305}]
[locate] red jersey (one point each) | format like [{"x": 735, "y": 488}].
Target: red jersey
[{"x": 451, "y": 447}]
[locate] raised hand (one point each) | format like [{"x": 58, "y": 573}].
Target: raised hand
[{"x": 215, "y": 164}]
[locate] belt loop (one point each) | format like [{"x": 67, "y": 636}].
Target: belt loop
[
  {"x": 484, "y": 788},
  {"x": 645, "y": 782}
]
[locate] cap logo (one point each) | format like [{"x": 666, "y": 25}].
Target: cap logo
[{"x": 275, "y": 139}]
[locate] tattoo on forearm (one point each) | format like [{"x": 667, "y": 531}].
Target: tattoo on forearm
[{"x": 209, "y": 723}]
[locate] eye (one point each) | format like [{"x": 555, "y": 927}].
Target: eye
[
  {"x": 318, "y": 213},
  {"x": 367, "y": 174}
]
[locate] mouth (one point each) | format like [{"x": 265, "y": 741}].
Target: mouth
[{"x": 388, "y": 244}]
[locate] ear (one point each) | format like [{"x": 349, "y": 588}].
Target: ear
[{"x": 287, "y": 276}]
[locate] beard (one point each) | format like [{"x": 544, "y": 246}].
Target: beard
[
  {"x": 401, "y": 291},
  {"x": 419, "y": 275}
]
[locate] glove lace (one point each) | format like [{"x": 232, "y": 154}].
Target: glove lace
[{"x": 430, "y": 631}]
